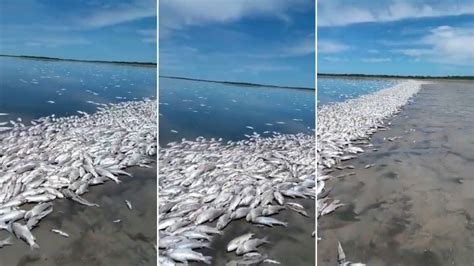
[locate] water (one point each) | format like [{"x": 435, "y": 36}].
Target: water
[
  {"x": 193, "y": 108},
  {"x": 331, "y": 90},
  {"x": 27, "y": 86}
]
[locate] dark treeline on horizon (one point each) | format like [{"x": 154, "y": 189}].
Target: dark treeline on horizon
[
  {"x": 393, "y": 76},
  {"x": 149, "y": 64},
  {"x": 238, "y": 83}
]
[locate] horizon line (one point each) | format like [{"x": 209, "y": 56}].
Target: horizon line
[
  {"x": 35, "y": 57},
  {"x": 396, "y": 76},
  {"x": 240, "y": 83}
]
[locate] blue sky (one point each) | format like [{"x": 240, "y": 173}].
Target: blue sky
[
  {"x": 264, "y": 41},
  {"x": 418, "y": 37},
  {"x": 122, "y": 30}
]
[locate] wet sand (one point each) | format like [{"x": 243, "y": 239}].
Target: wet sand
[
  {"x": 292, "y": 245},
  {"x": 94, "y": 238},
  {"x": 416, "y": 205}
]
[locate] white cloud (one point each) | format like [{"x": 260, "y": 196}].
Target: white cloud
[
  {"x": 113, "y": 15},
  {"x": 376, "y": 60},
  {"x": 301, "y": 47},
  {"x": 373, "y": 51},
  {"x": 331, "y": 47},
  {"x": 341, "y": 13},
  {"x": 55, "y": 41},
  {"x": 445, "y": 44},
  {"x": 335, "y": 59},
  {"x": 176, "y": 14}
]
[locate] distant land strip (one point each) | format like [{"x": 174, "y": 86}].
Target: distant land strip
[
  {"x": 143, "y": 64},
  {"x": 322, "y": 75},
  {"x": 239, "y": 83}
]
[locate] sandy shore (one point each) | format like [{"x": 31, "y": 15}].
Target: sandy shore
[
  {"x": 94, "y": 238},
  {"x": 415, "y": 205}
]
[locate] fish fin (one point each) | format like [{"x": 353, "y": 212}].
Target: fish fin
[{"x": 341, "y": 256}]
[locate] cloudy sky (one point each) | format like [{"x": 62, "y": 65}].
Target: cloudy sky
[
  {"x": 123, "y": 30},
  {"x": 264, "y": 41},
  {"x": 423, "y": 37}
]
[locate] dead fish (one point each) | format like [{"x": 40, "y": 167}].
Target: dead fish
[
  {"x": 129, "y": 205},
  {"x": 71, "y": 195},
  {"x": 236, "y": 242},
  {"x": 223, "y": 221},
  {"x": 208, "y": 215},
  {"x": 185, "y": 255},
  {"x": 331, "y": 207},
  {"x": 22, "y": 232},
  {"x": 240, "y": 213},
  {"x": 272, "y": 209},
  {"x": 250, "y": 245},
  {"x": 269, "y": 221},
  {"x": 59, "y": 232},
  {"x": 341, "y": 257},
  {"x": 368, "y": 166}
]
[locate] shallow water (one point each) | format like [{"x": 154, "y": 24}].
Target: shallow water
[
  {"x": 194, "y": 108},
  {"x": 415, "y": 206},
  {"x": 331, "y": 90},
  {"x": 94, "y": 238},
  {"x": 27, "y": 86}
]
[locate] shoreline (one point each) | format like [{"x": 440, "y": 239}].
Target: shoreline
[
  {"x": 413, "y": 204},
  {"x": 344, "y": 130}
]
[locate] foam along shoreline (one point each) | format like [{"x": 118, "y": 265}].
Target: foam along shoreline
[
  {"x": 204, "y": 181},
  {"x": 343, "y": 127},
  {"x": 62, "y": 157}
]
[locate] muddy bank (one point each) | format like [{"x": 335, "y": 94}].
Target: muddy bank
[
  {"x": 415, "y": 206},
  {"x": 94, "y": 238}
]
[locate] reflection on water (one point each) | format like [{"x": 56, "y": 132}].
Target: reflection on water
[
  {"x": 415, "y": 207},
  {"x": 189, "y": 109},
  {"x": 35, "y": 88},
  {"x": 332, "y": 90}
]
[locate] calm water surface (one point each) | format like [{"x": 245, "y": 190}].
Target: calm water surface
[
  {"x": 189, "y": 109},
  {"x": 28, "y": 86},
  {"x": 332, "y": 90}
]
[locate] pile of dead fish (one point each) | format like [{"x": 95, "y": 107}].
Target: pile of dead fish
[
  {"x": 206, "y": 184},
  {"x": 344, "y": 127},
  {"x": 61, "y": 157}
]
